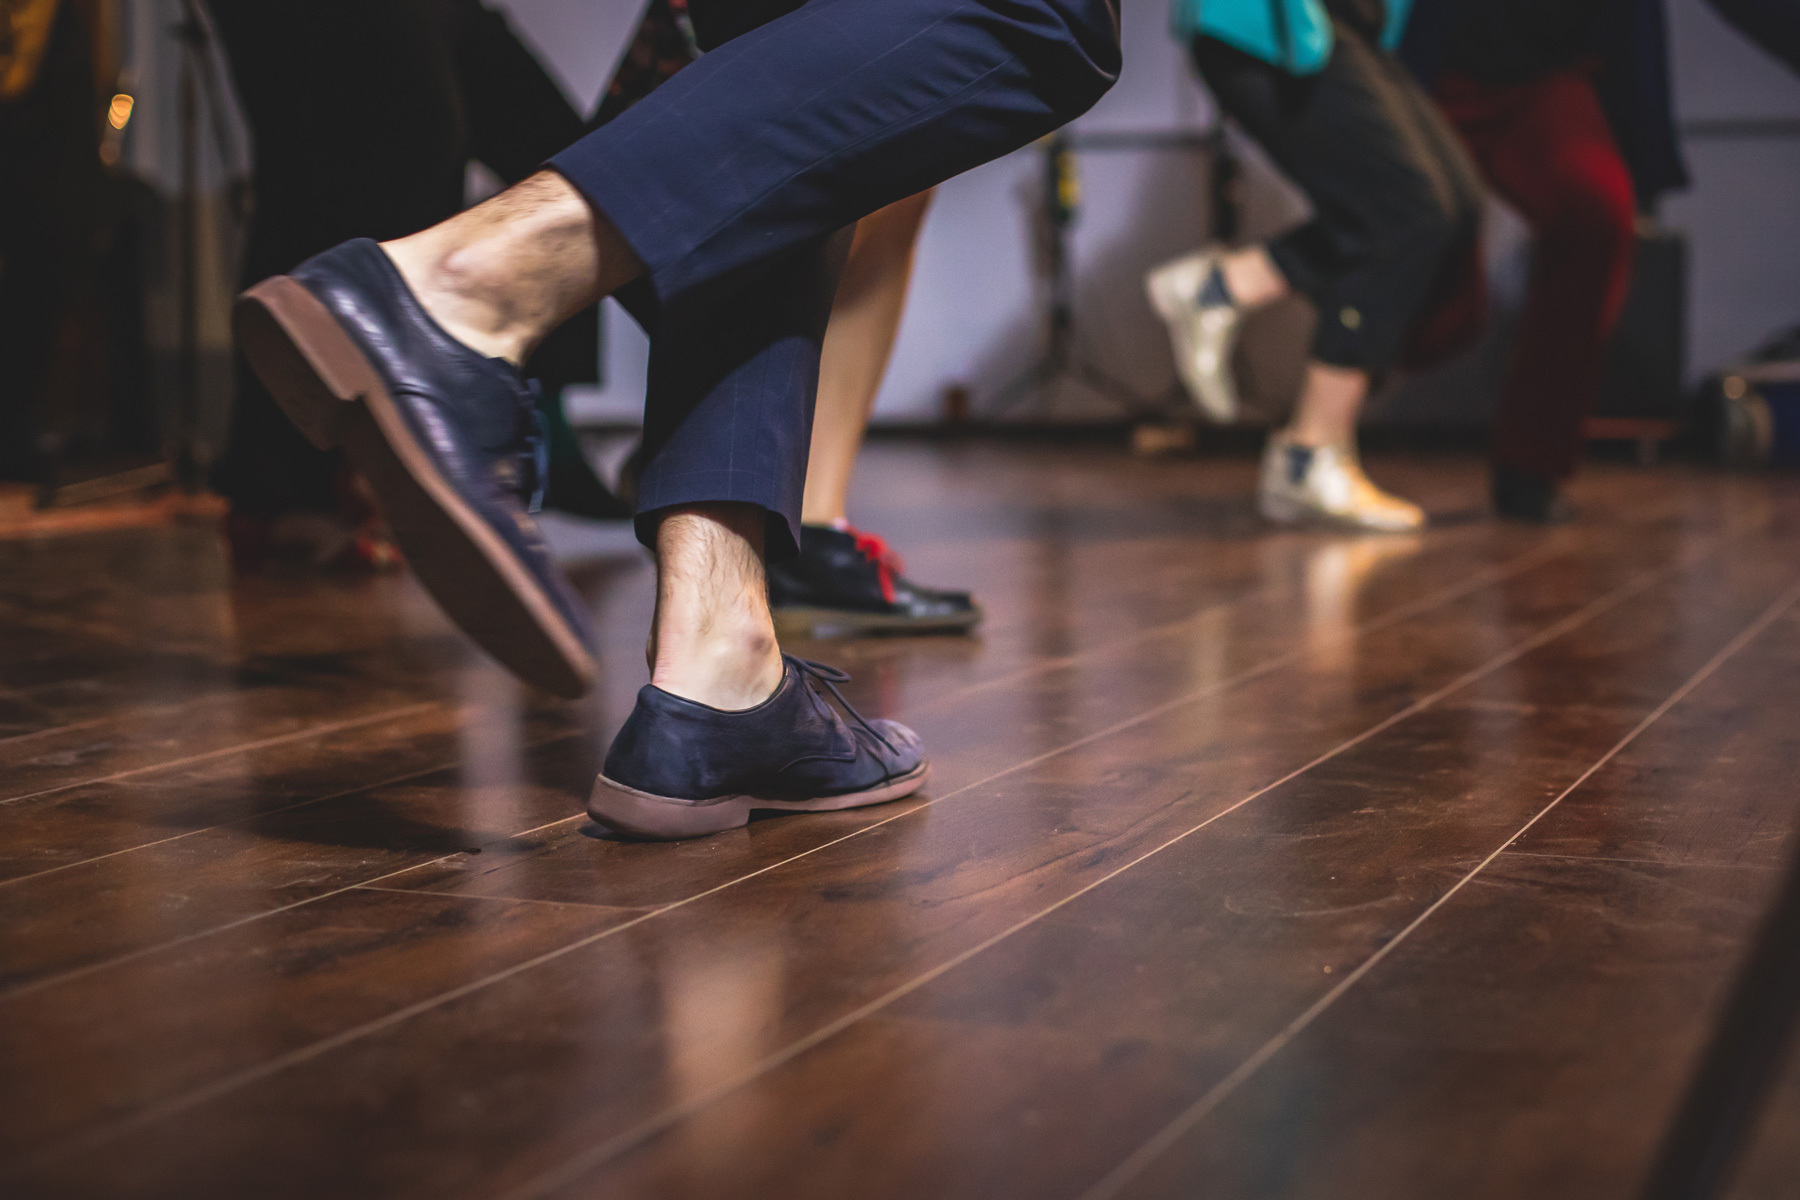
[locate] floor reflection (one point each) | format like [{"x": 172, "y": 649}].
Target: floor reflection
[
  {"x": 1337, "y": 572},
  {"x": 491, "y": 745},
  {"x": 721, "y": 1014}
]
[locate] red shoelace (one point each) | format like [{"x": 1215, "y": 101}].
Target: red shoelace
[{"x": 887, "y": 563}]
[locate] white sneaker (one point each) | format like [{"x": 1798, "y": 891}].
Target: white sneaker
[
  {"x": 1202, "y": 334},
  {"x": 1301, "y": 483}
]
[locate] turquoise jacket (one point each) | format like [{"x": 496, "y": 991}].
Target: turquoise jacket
[{"x": 1294, "y": 35}]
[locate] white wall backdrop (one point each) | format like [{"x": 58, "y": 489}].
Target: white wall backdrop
[{"x": 976, "y": 317}]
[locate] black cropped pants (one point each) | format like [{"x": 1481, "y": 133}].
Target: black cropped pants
[{"x": 1394, "y": 193}]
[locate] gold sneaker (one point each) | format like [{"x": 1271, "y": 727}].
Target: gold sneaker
[
  {"x": 1202, "y": 329},
  {"x": 1326, "y": 483}
]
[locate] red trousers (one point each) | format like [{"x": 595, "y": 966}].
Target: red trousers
[{"x": 1546, "y": 148}]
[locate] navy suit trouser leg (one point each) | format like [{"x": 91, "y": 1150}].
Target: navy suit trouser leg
[{"x": 733, "y": 180}]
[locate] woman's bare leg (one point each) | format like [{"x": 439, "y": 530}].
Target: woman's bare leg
[
  {"x": 1252, "y": 277},
  {"x": 1330, "y": 403},
  {"x": 865, "y": 318}
]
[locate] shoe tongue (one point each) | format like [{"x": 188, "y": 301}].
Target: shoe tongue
[
  {"x": 1299, "y": 462},
  {"x": 822, "y": 537},
  {"x": 1214, "y": 293}
]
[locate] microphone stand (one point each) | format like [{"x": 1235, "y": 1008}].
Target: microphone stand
[{"x": 1061, "y": 360}]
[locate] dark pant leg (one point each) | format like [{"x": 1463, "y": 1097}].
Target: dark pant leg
[
  {"x": 1772, "y": 24},
  {"x": 1391, "y": 191},
  {"x": 1549, "y": 151},
  {"x": 731, "y": 397},
  {"x": 731, "y": 178},
  {"x": 821, "y": 116}
]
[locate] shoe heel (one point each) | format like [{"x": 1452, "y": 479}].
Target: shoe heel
[
  {"x": 658, "y": 818},
  {"x": 300, "y": 353},
  {"x": 1280, "y": 509},
  {"x": 1168, "y": 304}
]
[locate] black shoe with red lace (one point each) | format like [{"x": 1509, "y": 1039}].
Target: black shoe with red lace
[{"x": 848, "y": 580}]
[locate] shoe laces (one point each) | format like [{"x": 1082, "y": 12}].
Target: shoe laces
[
  {"x": 830, "y": 677},
  {"x": 534, "y": 449},
  {"x": 888, "y": 565}
]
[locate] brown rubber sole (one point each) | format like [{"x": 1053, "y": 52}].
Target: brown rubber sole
[
  {"x": 335, "y": 396},
  {"x": 666, "y": 818},
  {"x": 803, "y": 622}
]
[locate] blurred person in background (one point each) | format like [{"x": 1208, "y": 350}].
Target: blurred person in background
[
  {"x": 1565, "y": 105},
  {"x": 365, "y": 115},
  {"x": 60, "y": 224},
  {"x": 1394, "y": 195},
  {"x": 843, "y": 577},
  {"x": 1772, "y": 24}
]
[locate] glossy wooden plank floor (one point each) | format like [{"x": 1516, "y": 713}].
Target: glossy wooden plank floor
[{"x": 1255, "y": 864}]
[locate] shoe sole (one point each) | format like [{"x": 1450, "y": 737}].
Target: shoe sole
[
  {"x": 803, "y": 622},
  {"x": 334, "y": 395},
  {"x": 667, "y": 818},
  {"x": 1279, "y": 510},
  {"x": 1283, "y": 511}
]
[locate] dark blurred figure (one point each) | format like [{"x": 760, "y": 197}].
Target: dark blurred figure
[
  {"x": 663, "y": 44},
  {"x": 70, "y": 335},
  {"x": 1565, "y": 105},
  {"x": 1772, "y": 24},
  {"x": 365, "y": 114},
  {"x": 1394, "y": 196}
]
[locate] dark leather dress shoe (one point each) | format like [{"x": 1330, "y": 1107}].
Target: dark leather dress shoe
[
  {"x": 451, "y": 442},
  {"x": 680, "y": 769},
  {"x": 1522, "y": 496},
  {"x": 847, "y": 579}
]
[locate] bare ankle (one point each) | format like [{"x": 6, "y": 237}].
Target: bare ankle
[
  {"x": 714, "y": 641},
  {"x": 442, "y": 275},
  {"x": 723, "y": 671},
  {"x": 1331, "y": 401},
  {"x": 1252, "y": 277},
  {"x": 500, "y": 276}
]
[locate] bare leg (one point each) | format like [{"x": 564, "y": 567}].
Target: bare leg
[
  {"x": 865, "y": 317},
  {"x": 713, "y": 640},
  {"x": 1330, "y": 402},
  {"x": 1331, "y": 398},
  {"x": 503, "y": 274},
  {"x": 1252, "y": 277}
]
